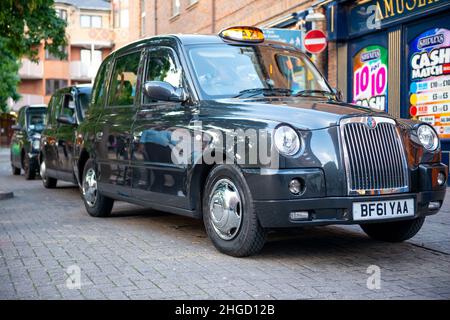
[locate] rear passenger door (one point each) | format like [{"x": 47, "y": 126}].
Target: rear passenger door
[
  {"x": 156, "y": 178},
  {"x": 114, "y": 126}
]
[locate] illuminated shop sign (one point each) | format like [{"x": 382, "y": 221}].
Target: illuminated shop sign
[
  {"x": 374, "y": 14},
  {"x": 429, "y": 91},
  {"x": 370, "y": 74}
]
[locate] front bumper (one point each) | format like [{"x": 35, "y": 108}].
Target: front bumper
[{"x": 274, "y": 203}]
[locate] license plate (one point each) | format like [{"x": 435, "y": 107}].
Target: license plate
[{"x": 377, "y": 210}]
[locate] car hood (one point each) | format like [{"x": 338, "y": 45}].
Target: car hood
[{"x": 300, "y": 112}]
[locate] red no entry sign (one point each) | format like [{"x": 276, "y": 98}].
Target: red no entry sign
[{"x": 315, "y": 41}]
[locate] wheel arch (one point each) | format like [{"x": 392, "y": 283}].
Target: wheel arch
[{"x": 197, "y": 180}]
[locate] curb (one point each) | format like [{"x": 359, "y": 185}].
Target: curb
[{"x": 6, "y": 195}]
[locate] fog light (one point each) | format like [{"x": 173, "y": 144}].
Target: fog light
[
  {"x": 299, "y": 215},
  {"x": 434, "y": 205},
  {"x": 295, "y": 186},
  {"x": 441, "y": 178}
]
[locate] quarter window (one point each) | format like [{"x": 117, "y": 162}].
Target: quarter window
[
  {"x": 123, "y": 81},
  {"x": 99, "y": 88}
]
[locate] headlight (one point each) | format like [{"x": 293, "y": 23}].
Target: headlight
[
  {"x": 427, "y": 137},
  {"x": 287, "y": 140},
  {"x": 36, "y": 144}
]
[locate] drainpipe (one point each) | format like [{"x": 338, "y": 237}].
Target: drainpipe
[
  {"x": 213, "y": 17},
  {"x": 156, "y": 17}
]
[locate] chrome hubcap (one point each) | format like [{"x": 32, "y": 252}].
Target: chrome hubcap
[
  {"x": 90, "y": 187},
  {"x": 42, "y": 170},
  {"x": 225, "y": 209}
]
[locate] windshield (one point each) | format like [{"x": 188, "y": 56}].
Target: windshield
[
  {"x": 36, "y": 119},
  {"x": 224, "y": 71}
]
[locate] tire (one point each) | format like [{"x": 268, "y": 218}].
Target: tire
[
  {"x": 15, "y": 171},
  {"x": 28, "y": 168},
  {"x": 397, "y": 231},
  {"x": 225, "y": 184},
  {"x": 47, "y": 181},
  {"x": 97, "y": 205}
]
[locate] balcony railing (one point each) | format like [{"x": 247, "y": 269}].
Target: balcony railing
[
  {"x": 31, "y": 70},
  {"x": 83, "y": 71}
]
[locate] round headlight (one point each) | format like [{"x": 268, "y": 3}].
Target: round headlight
[
  {"x": 287, "y": 140},
  {"x": 427, "y": 137},
  {"x": 35, "y": 145}
]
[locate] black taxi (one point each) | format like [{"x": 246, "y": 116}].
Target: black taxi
[
  {"x": 66, "y": 111},
  {"x": 25, "y": 142},
  {"x": 247, "y": 135}
]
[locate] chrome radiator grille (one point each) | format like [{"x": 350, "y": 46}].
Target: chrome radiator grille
[{"x": 374, "y": 158}]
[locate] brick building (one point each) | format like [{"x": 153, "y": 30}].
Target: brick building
[{"x": 89, "y": 41}]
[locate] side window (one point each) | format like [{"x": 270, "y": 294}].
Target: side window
[
  {"x": 161, "y": 66},
  {"x": 123, "y": 81},
  {"x": 56, "y": 108},
  {"x": 21, "y": 118},
  {"x": 68, "y": 107},
  {"x": 100, "y": 83}
]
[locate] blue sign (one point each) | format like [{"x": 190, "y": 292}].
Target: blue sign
[{"x": 292, "y": 37}]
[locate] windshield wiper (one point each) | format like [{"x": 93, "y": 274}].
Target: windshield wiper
[
  {"x": 304, "y": 93},
  {"x": 265, "y": 91}
]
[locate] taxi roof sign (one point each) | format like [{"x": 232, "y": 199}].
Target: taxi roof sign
[{"x": 245, "y": 34}]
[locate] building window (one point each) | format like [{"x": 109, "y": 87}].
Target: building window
[
  {"x": 50, "y": 56},
  {"x": 120, "y": 13},
  {"x": 51, "y": 85},
  {"x": 175, "y": 7},
  {"x": 143, "y": 17},
  {"x": 61, "y": 13},
  {"x": 87, "y": 21}
]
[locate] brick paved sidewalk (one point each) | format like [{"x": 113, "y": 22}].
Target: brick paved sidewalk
[{"x": 144, "y": 254}]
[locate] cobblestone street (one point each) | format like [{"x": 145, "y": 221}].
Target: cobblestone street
[{"x": 144, "y": 254}]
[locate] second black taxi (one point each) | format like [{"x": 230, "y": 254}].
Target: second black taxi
[{"x": 66, "y": 111}]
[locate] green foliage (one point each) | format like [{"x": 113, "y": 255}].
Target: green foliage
[
  {"x": 24, "y": 24},
  {"x": 9, "y": 68}
]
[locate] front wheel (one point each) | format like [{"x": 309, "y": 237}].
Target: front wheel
[
  {"x": 28, "y": 168},
  {"x": 396, "y": 231},
  {"x": 229, "y": 215},
  {"x": 97, "y": 205},
  {"x": 48, "y": 182}
]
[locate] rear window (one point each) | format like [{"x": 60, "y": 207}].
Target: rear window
[{"x": 36, "y": 119}]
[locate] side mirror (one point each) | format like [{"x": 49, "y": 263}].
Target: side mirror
[
  {"x": 16, "y": 127},
  {"x": 65, "y": 119},
  {"x": 164, "y": 91},
  {"x": 338, "y": 94}
]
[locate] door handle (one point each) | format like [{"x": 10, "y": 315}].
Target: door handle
[{"x": 99, "y": 135}]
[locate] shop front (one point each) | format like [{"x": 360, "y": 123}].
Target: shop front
[{"x": 394, "y": 55}]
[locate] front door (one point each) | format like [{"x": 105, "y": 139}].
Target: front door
[
  {"x": 66, "y": 136},
  {"x": 157, "y": 177}
]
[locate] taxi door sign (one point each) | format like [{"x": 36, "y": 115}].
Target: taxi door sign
[{"x": 429, "y": 91}]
